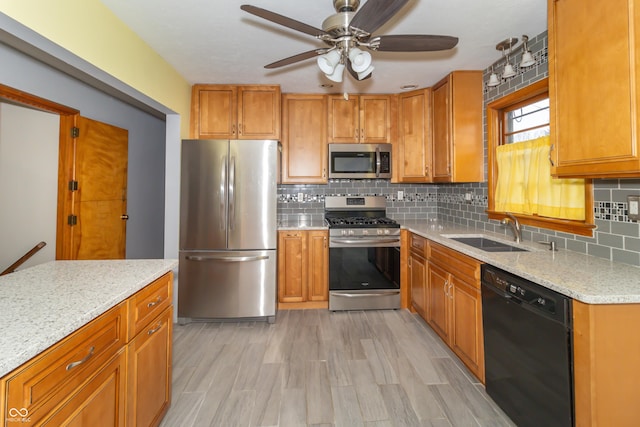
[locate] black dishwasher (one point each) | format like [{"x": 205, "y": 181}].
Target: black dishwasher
[{"x": 528, "y": 349}]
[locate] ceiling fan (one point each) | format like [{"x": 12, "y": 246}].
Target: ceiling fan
[{"x": 349, "y": 29}]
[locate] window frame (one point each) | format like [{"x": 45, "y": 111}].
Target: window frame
[{"x": 495, "y": 117}]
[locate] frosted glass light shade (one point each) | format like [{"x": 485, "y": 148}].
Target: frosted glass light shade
[
  {"x": 360, "y": 60},
  {"x": 493, "y": 80},
  {"x": 336, "y": 75},
  {"x": 363, "y": 74},
  {"x": 527, "y": 59},
  {"x": 508, "y": 71},
  {"x": 329, "y": 61}
]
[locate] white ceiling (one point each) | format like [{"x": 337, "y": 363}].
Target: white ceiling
[{"x": 213, "y": 41}]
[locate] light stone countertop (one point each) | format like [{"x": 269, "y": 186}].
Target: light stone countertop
[
  {"x": 43, "y": 304},
  {"x": 583, "y": 277}
]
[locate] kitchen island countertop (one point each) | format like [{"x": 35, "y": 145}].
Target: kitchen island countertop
[
  {"x": 583, "y": 277},
  {"x": 41, "y": 305}
]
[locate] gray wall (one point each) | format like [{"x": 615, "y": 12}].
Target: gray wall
[
  {"x": 146, "y": 179},
  {"x": 616, "y": 237}
]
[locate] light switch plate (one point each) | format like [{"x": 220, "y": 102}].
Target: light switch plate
[
  {"x": 301, "y": 197},
  {"x": 400, "y": 195},
  {"x": 634, "y": 207}
]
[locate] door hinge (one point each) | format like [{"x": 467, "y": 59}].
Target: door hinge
[
  {"x": 72, "y": 220},
  {"x": 75, "y": 132},
  {"x": 73, "y": 185}
]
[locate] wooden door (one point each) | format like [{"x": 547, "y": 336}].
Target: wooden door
[
  {"x": 214, "y": 112},
  {"x": 414, "y": 139},
  {"x": 438, "y": 298},
  {"x": 149, "y": 373},
  {"x": 318, "y": 265},
  {"x": 441, "y": 132},
  {"x": 418, "y": 283},
  {"x": 100, "y": 201},
  {"x": 375, "y": 118},
  {"x": 259, "y": 112},
  {"x": 304, "y": 139},
  {"x": 344, "y": 119},
  {"x": 292, "y": 267}
]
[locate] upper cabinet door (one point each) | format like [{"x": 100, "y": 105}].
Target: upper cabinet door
[
  {"x": 413, "y": 162},
  {"x": 235, "y": 112},
  {"x": 441, "y": 132},
  {"x": 344, "y": 119},
  {"x": 375, "y": 119},
  {"x": 259, "y": 112},
  {"x": 304, "y": 139},
  {"x": 594, "y": 87},
  {"x": 214, "y": 112}
]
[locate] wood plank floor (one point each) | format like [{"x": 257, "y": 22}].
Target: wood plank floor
[{"x": 321, "y": 368}]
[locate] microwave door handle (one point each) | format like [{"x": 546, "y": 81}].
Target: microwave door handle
[{"x": 378, "y": 162}]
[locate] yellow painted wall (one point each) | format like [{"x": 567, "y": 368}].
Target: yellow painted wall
[{"x": 90, "y": 30}]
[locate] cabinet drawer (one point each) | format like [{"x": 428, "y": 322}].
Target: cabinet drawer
[
  {"x": 148, "y": 303},
  {"x": 418, "y": 245},
  {"x": 465, "y": 267},
  {"x": 45, "y": 381}
]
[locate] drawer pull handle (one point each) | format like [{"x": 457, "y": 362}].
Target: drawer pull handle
[
  {"x": 154, "y": 303},
  {"x": 154, "y": 330},
  {"x": 72, "y": 365}
]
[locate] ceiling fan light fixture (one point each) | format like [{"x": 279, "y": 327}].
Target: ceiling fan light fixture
[
  {"x": 329, "y": 61},
  {"x": 360, "y": 60},
  {"x": 336, "y": 75},
  {"x": 363, "y": 74}
]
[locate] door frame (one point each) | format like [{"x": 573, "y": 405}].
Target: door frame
[{"x": 68, "y": 120}]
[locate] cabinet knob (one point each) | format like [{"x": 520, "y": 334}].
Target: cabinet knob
[
  {"x": 239, "y": 128},
  {"x": 124, "y": 217}
]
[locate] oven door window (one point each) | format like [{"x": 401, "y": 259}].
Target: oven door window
[{"x": 362, "y": 268}]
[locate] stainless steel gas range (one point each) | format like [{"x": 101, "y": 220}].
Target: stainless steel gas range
[{"x": 364, "y": 254}]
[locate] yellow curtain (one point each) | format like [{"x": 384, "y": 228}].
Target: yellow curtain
[{"x": 525, "y": 184}]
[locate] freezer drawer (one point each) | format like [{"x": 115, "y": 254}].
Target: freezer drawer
[{"x": 227, "y": 285}]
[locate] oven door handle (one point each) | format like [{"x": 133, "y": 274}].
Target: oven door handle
[
  {"x": 376, "y": 294},
  {"x": 367, "y": 241}
]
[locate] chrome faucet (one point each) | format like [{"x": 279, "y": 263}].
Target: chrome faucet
[{"x": 515, "y": 226}]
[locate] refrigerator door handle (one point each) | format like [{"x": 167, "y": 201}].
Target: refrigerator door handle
[
  {"x": 223, "y": 186},
  {"x": 227, "y": 258},
  {"x": 232, "y": 199}
]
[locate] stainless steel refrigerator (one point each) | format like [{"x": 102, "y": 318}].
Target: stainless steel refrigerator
[{"x": 227, "y": 266}]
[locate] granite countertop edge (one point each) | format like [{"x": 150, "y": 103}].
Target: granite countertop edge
[
  {"x": 586, "y": 278},
  {"x": 61, "y": 297}
]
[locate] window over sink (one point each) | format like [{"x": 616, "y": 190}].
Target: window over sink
[{"x": 524, "y": 116}]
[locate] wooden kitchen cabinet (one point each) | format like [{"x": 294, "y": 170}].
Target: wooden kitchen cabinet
[
  {"x": 454, "y": 304},
  {"x": 235, "y": 112},
  {"x": 303, "y": 266},
  {"x": 594, "y": 87},
  {"x": 304, "y": 139},
  {"x": 417, "y": 265},
  {"x": 413, "y": 150},
  {"x": 360, "y": 119},
  {"x": 458, "y": 147}
]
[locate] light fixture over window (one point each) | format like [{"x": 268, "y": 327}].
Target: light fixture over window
[{"x": 506, "y": 47}]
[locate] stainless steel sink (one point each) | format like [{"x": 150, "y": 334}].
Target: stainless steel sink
[{"x": 488, "y": 245}]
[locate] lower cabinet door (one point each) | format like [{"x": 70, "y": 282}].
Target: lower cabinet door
[
  {"x": 100, "y": 402},
  {"x": 439, "y": 301},
  {"x": 149, "y": 372}
]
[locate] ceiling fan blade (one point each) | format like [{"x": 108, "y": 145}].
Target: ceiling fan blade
[
  {"x": 283, "y": 20},
  {"x": 296, "y": 58},
  {"x": 412, "y": 43},
  {"x": 374, "y": 13}
]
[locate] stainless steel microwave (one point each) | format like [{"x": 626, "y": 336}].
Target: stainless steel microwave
[{"x": 360, "y": 161}]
